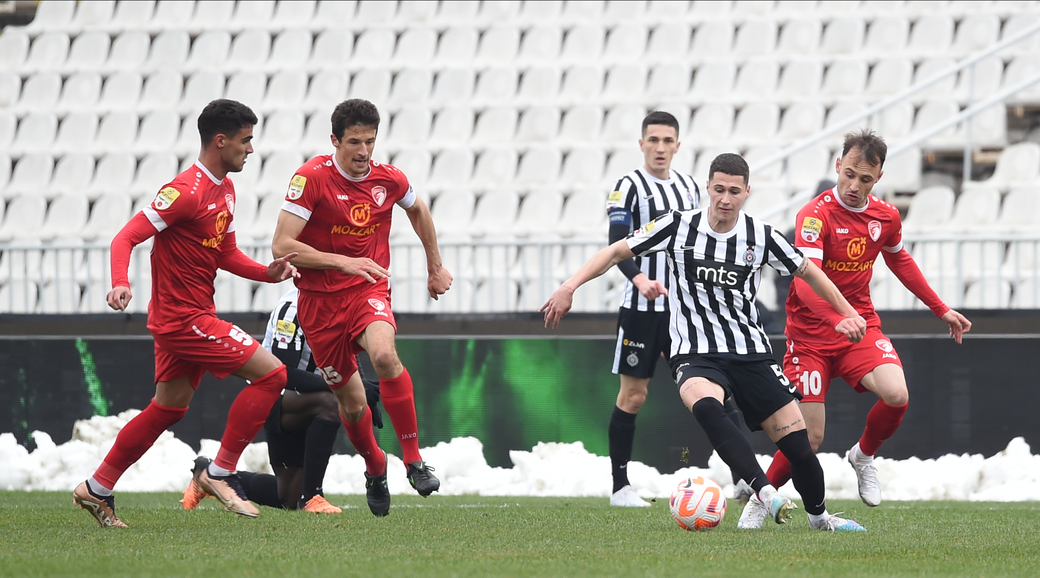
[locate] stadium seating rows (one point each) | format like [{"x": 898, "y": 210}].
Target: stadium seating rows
[{"x": 511, "y": 118}]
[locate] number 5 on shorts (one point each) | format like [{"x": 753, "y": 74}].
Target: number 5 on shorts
[
  {"x": 331, "y": 376},
  {"x": 783, "y": 378}
]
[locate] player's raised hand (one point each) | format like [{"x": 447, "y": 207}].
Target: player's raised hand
[
  {"x": 557, "y": 306},
  {"x": 119, "y": 297},
  {"x": 438, "y": 282},
  {"x": 364, "y": 267},
  {"x": 853, "y": 328},
  {"x": 649, "y": 289},
  {"x": 281, "y": 269},
  {"x": 959, "y": 324}
]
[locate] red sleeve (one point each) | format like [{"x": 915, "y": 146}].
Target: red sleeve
[
  {"x": 136, "y": 231},
  {"x": 909, "y": 274},
  {"x": 816, "y": 303},
  {"x": 234, "y": 261}
]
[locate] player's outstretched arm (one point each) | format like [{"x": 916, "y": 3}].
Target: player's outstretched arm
[
  {"x": 853, "y": 327},
  {"x": 285, "y": 243},
  {"x": 560, "y": 302},
  {"x": 439, "y": 280}
]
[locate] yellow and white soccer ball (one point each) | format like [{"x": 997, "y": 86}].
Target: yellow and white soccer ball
[{"x": 697, "y": 503}]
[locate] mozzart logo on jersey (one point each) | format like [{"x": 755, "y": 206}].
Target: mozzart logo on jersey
[
  {"x": 360, "y": 214},
  {"x": 221, "y": 231},
  {"x": 856, "y": 249},
  {"x": 726, "y": 275}
]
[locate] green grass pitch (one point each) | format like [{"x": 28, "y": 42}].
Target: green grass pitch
[{"x": 42, "y": 534}]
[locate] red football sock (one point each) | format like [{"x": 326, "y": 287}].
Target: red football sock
[
  {"x": 364, "y": 440},
  {"x": 779, "y": 472},
  {"x": 399, "y": 402},
  {"x": 247, "y": 415},
  {"x": 134, "y": 440},
  {"x": 882, "y": 422}
]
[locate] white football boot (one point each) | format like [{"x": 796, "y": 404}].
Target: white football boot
[
  {"x": 627, "y": 497},
  {"x": 866, "y": 476}
]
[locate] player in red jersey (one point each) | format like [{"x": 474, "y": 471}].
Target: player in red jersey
[
  {"x": 192, "y": 220},
  {"x": 843, "y": 230},
  {"x": 336, "y": 219}
]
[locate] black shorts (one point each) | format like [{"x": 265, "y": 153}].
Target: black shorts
[
  {"x": 284, "y": 448},
  {"x": 642, "y": 337},
  {"x": 755, "y": 381}
]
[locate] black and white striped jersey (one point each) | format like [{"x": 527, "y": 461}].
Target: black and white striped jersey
[
  {"x": 645, "y": 198},
  {"x": 284, "y": 332},
  {"x": 715, "y": 278}
]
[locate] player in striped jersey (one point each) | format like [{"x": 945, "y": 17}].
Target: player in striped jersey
[
  {"x": 639, "y": 197},
  {"x": 301, "y": 428},
  {"x": 719, "y": 348}
]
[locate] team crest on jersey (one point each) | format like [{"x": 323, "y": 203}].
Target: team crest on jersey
[
  {"x": 296, "y": 186},
  {"x": 749, "y": 256},
  {"x": 884, "y": 345},
  {"x": 632, "y": 359},
  {"x": 165, "y": 198},
  {"x": 230, "y": 200},
  {"x": 379, "y": 195},
  {"x": 811, "y": 229},
  {"x": 874, "y": 228}
]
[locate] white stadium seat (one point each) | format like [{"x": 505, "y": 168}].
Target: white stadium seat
[
  {"x": 40, "y": 93},
  {"x": 670, "y": 40},
  {"x": 539, "y": 214},
  {"x": 89, "y": 52},
  {"x": 581, "y": 125},
  {"x": 415, "y": 164},
  {"x": 253, "y": 14},
  {"x": 25, "y": 214},
  {"x": 66, "y": 216},
  {"x": 713, "y": 81},
  {"x": 581, "y": 84},
  {"x": 247, "y": 86},
  {"x": 410, "y": 126},
  {"x": 1020, "y": 212},
  {"x": 539, "y": 85},
  {"x": 799, "y": 38},
  {"x": 932, "y": 35},
  {"x": 887, "y": 35},
  {"x": 669, "y": 81},
  {"x": 842, "y": 36},
  {"x": 499, "y": 44},
  {"x": 495, "y": 168},
  {"x": 73, "y": 173},
  {"x": 583, "y": 44},
  {"x": 153, "y": 171},
  {"x": 712, "y": 41},
  {"x": 201, "y": 88},
  {"x": 625, "y": 83},
  {"x": 451, "y": 171},
  {"x": 169, "y": 50},
  {"x": 452, "y": 126},
  {"x": 14, "y": 48},
  {"x": 415, "y": 48},
  {"x": 976, "y": 32},
  {"x": 712, "y": 124},
  {"x": 162, "y": 91},
  {"x": 929, "y": 211},
  {"x": 541, "y": 44},
  {"x": 47, "y": 53},
  {"x": 56, "y": 15},
  {"x": 495, "y": 126},
  {"x": 755, "y": 39},
  {"x": 451, "y": 86},
  {"x": 129, "y": 50},
  {"x": 10, "y": 89},
  {"x": 457, "y": 47},
  {"x": 889, "y": 77},
  {"x": 494, "y": 87},
  {"x": 121, "y": 91},
  {"x": 371, "y": 84},
  {"x": 110, "y": 212},
  {"x": 494, "y": 213},
  {"x": 976, "y": 210},
  {"x": 539, "y": 168},
  {"x": 327, "y": 89},
  {"x": 35, "y": 133},
  {"x": 756, "y": 124},
  {"x": 131, "y": 15},
  {"x": 116, "y": 133},
  {"x": 211, "y": 15},
  {"x": 538, "y": 125},
  {"x": 158, "y": 132},
  {"x": 282, "y": 130},
  {"x": 277, "y": 171},
  {"x": 626, "y": 42}
]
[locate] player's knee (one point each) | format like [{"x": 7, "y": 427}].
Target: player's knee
[
  {"x": 631, "y": 401},
  {"x": 274, "y": 381},
  {"x": 327, "y": 408},
  {"x": 896, "y": 398},
  {"x": 815, "y": 440},
  {"x": 386, "y": 362},
  {"x": 351, "y": 411}
]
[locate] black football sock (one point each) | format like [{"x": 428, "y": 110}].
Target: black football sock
[
  {"x": 734, "y": 416},
  {"x": 806, "y": 471},
  {"x": 261, "y": 488},
  {"x": 729, "y": 442},
  {"x": 321, "y": 434},
  {"x": 620, "y": 435}
]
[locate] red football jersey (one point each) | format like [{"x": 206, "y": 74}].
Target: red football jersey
[
  {"x": 345, "y": 215},
  {"x": 193, "y": 214},
  {"x": 844, "y": 242}
]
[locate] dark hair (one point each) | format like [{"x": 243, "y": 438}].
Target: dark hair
[
  {"x": 354, "y": 112},
  {"x": 730, "y": 164},
  {"x": 871, "y": 147},
  {"x": 225, "y": 117},
  {"x": 661, "y": 117}
]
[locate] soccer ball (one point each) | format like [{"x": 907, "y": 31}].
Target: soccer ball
[{"x": 697, "y": 503}]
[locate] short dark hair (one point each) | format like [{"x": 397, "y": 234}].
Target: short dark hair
[
  {"x": 354, "y": 112},
  {"x": 871, "y": 147},
  {"x": 730, "y": 164},
  {"x": 223, "y": 116},
  {"x": 661, "y": 117}
]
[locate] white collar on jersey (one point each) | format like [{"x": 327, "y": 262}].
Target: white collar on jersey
[
  {"x": 853, "y": 209},
  {"x": 348, "y": 177},
  {"x": 647, "y": 174},
  {"x": 203, "y": 168}
]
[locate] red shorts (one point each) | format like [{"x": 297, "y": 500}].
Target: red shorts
[
  {"x": 811, "y": 366},
  {"x": 205, "y": 344},
  {"x": 332, "y": 323}
]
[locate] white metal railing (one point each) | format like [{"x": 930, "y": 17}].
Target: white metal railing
[
  {"x": 971, "y": 271},
  {"x": 913, "y": 140}
]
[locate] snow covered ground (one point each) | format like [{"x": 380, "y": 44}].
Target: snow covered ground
[{"x": 549, "y": 469}]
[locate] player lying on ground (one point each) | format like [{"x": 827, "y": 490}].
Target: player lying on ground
[{"x": 301, "y": 428}]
